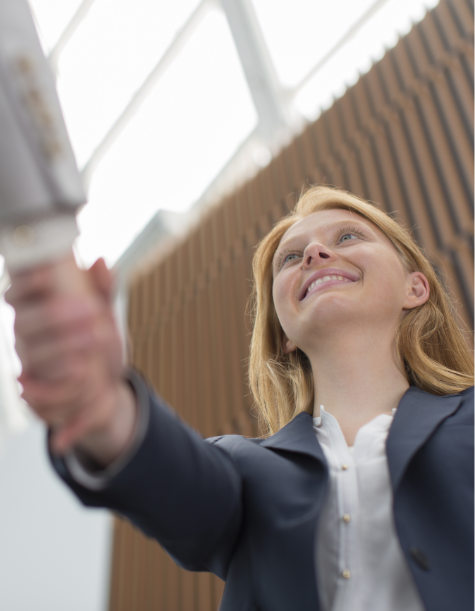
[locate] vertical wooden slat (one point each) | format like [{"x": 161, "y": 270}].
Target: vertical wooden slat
[{"x": 462, "y": 15}]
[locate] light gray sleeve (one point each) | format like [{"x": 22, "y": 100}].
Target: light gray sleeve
[{"x": 33, "y": 242}]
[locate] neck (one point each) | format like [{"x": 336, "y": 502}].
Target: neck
[{"x": 357, "y": 377}]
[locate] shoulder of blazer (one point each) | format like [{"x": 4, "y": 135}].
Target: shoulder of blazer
[
  {"x": 302, "y": 420},
  {"x": 233, "y": 439},
  {"x": 467, "y": 394},
  {"x": 297, "y": 436},
  {"x": 229, "y": 442}
]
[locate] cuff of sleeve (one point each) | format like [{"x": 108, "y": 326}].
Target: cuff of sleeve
[
  {"x": 39, "y": 241},
  {"x": 88, "y": 474}
]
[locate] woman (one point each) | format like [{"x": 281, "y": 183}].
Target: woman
[{"x": 359, "y": 496}]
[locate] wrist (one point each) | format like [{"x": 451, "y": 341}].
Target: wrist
[{"x": 104, "y": 445}]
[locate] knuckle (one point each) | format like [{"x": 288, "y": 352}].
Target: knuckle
[
  {"x": 78, "y": 374},
  {"x": 45, "y": 411},
  {"x": 21, "y": 351},
  {"x": 25, "y": 319},
  {"x": 19, "y": 324},
  {"x": 9, "y": 296},
  {"x": 50, "y": 316}
]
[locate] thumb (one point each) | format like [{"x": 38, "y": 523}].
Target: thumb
[{"x": 102, "y": 279}]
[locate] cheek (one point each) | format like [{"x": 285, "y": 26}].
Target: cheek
[
  {"x": 386, "y": 280},
  {"x": 277, "y": 297},
  {"x": 280, "y": 294}
]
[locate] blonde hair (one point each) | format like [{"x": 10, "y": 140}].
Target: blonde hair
[{"x": 429, "y": 342}]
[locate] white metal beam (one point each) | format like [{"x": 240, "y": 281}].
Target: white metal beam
[
  {"x": 68, "y": 32},
  {"x": 266, "y": 91}
]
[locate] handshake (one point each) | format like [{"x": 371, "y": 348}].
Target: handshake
[{"x": 71, "y": 355}]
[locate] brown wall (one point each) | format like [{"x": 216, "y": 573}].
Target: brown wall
[{"x": 403, "y": 137}]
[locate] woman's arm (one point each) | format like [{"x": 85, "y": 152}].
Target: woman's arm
[{"x": 175, "y": 487}]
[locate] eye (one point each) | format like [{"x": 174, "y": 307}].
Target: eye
[
  {"x": 349, "y": 233},
  {"x": 286, "y": 258},
  {"x": 347, "y": 236}
]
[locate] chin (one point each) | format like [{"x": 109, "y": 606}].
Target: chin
[
  {"x": 332, "y": 300},
  {"x": 334, "y": 316}
]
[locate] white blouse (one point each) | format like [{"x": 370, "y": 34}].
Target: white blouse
[{"x": 360, "y": 564}]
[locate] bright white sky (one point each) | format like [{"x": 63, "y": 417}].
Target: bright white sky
[{"x": 201, "y": 110}]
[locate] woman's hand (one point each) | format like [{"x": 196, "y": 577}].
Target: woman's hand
[{"x": 71, "y": 355}]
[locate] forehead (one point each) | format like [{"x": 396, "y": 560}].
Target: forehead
[{"x": 323, "y": 220}]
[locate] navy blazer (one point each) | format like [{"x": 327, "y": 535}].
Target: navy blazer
[{"x": 247, "y": 509}]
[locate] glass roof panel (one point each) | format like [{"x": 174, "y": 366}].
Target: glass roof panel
[
  {"x": 201, "y": 110},
  {"x": 52, "y": 17},
  {"x": 299, "y": 33},
  {"x": 111, "y": 53},
  {"x": 381, "y": 32},
  {"x": 186, "y": 131}
]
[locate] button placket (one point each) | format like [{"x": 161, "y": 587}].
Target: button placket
[
  {"x": 349, "y": 484},
  {"x": 347, "y": 500},
  {"x": 360, "y": 515}
]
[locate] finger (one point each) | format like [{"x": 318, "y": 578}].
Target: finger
[
  {"x": 54, "y": 358},
  {"x": 65, "y": 437},
  {"x": 30, "y": 284},
  {"x": 102, "y": 279},
  {"x": 50, "y": 398},
  {"x": 57, "y": 417},
  {"x": 55, "y": 315},
  {"x": 54, "y": 416}
]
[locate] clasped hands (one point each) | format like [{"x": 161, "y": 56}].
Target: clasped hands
[{"x": 71, "y": 355}]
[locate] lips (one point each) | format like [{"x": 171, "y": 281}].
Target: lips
[{"x": 326, "y": 272}]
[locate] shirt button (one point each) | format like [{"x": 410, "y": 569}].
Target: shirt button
[
  {"x": 346, "y": 574},
  {"x": 346, "y": 517},
  {"x": 344, "y": 467}
]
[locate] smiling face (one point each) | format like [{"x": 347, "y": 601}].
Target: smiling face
[{"x": 335, "y": 270}]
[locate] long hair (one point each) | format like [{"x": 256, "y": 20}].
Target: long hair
[{"x": 428, "y": 340}]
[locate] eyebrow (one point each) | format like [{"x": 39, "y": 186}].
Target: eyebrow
[{"x": 325, "y": 228}]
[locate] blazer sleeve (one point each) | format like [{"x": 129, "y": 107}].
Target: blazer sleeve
[{"x": 176, "y": 488}]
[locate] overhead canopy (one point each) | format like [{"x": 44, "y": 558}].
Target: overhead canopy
[{"x": 159, "y": 97}]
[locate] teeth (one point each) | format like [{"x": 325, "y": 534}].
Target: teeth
[{"x": 326, "y": 279}]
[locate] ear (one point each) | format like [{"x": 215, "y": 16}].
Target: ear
[
  {"x": 417, "y": 290},
  {"x": 287, "y": 345}
]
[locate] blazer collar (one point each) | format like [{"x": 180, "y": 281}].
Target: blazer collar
[
  {"x": 418, "y": 415},
  {"x": 297, "y": 436}
]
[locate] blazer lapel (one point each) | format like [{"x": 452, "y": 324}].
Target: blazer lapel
[
  {"x": 417, "y": 416},
  {"x": 297, "y": 436}
]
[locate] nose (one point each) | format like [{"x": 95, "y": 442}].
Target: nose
[{"x": 314, "y": 253}]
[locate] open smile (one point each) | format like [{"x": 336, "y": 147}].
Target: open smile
[{"x": 325, "y": 278}]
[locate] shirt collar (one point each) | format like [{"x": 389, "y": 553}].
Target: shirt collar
[{"x": 317, "y": 421}]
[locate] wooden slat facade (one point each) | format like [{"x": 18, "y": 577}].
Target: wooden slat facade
[{"x": 402, "y": 136}]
